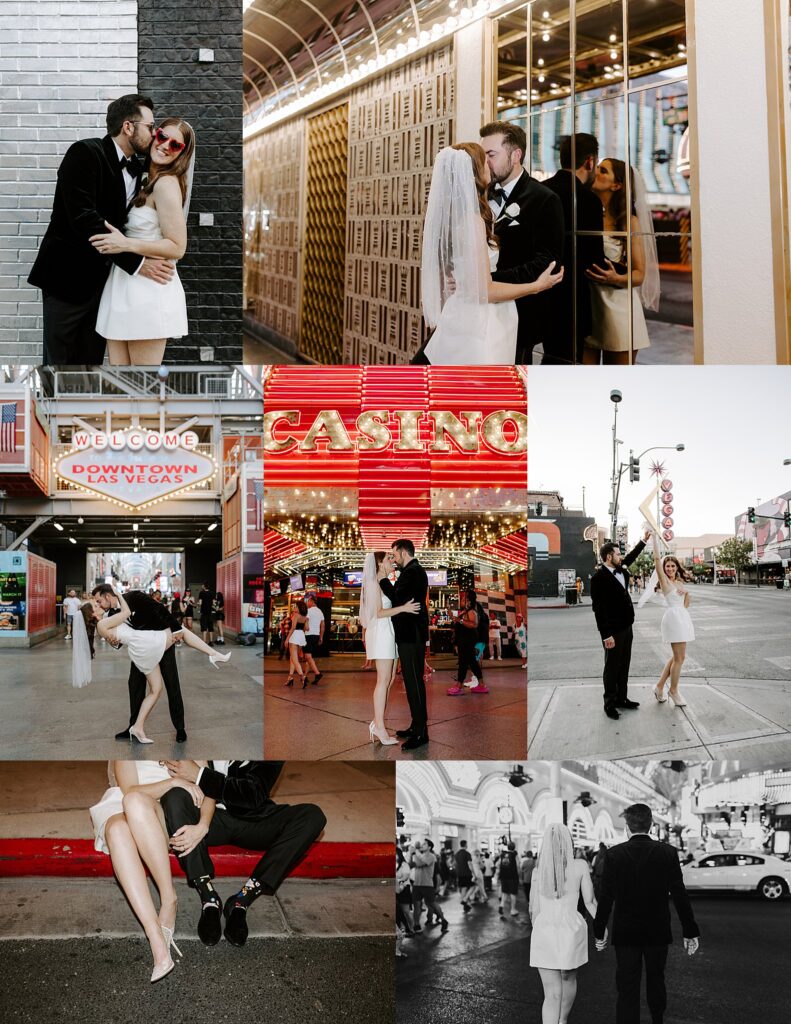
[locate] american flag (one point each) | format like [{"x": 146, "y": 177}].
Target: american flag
[
  {"x": 8, "y": 428},
  {"x": 258, "y": 493}
]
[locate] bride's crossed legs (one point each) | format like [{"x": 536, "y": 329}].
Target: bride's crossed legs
[
  {"x": 672, "y": 671},
  {"x": 136, "y": 353},
  {"x": 136, "y": 840},
  {"x": 560, "y": 991}
]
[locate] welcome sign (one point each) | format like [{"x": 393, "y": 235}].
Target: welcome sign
[{"x": 135, "y": 468}]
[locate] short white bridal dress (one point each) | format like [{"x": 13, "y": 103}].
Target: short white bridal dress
[
  {"x": 112, "y": 801},
  {"x": 676, "y": 622},
  {"x": 559, "y": 940},
  {"x": 379, "y": 637},
  {"x": 145, "y": 646},
  {"x": 136, "y": 308}
]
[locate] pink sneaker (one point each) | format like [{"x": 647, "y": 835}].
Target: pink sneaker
[
  {"x": 455, "y": 691},
  {"x": 480, "y": 688}
]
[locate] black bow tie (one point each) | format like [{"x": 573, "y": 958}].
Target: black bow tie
[
  {"x": 618, "y": 572},
  {"x": 499, "y": 193},
  {"x": 132, "y": 166}
]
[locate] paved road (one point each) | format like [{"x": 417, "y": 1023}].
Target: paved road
[
  {"x": 291, "y": 981},
  {"x": 743, "y": 962},
  {"x": 736, "y": 680}
]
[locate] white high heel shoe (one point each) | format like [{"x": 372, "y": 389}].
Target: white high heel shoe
[
  {"x": 677, "y": 700},
  {"x": 663, "y": 698},
  {"x": 375, "y": 735},
  {"x": 214, "y": 658},
  {"x": 168, "y": 933},
  {"x": 161, "y": 970},
  {"x": 139, "y": 737}
]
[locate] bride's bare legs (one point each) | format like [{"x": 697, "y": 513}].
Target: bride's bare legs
[
  {"x": 131, "y": 875},
  {"x": 384, "y": 676},
  {"x": 294, "y": 666},
  {"x": 192, "y": 640},
  {"x": 664, "y": 677},
  {"x": 118, "y": 353},
  {"x": 679, "y": 654},
  {"x": 144, "y": 824},
  {"x": 568, "y": 981},
  {"x": 553, "y": 988},
  {"x": 156, "y": 685},
  {"x": 146, "y": 353}
]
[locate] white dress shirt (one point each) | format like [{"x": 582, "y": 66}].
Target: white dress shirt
[
  {"x": 129, "y": 182},
  {"x": 619, "y": 576},
  {"x": 496, "y": 205}
]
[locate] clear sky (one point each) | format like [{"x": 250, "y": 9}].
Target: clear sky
[{"x": 734, "y": 420}]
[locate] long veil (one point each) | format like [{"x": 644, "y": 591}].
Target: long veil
[
  {"x": 454, "y": 260},
  {"x": 650, "y": 289},
  {"x": 80, "y": 652},
  {"x": 554, "y": 860},
  {"x": 370, "y": 602}
]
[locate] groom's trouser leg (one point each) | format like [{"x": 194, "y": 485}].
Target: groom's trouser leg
[
  {"x": 616, "y": 668},
  {"x": 628, "y": 971},
  {"x": 655, "y": 993},
  {"x": 412, "y": 657},
  {"x": 286, "y": 833},
  {"x": 137, "y": 691},
  {"x": 70, "y": 336},
  {"x": 179, "y": 809},
  {"x": 170, "y": 676}
]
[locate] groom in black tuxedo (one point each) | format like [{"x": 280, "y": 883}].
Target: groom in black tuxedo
[
  {"x": 529, "y": 227},
  {"x": 411, "y": 634},
  {"x": 612, "y": 606},
  {"x": 148, "y": 614},
  {"x": 640, "y": 877},
  {"x": 97, "y": 181},
  {"x": 244, "y": 815}
]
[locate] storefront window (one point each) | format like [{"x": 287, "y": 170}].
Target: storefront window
[{"x": 615, "y": 70}]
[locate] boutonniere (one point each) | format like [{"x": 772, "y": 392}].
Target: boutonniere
[{"x": 511, "y": 211}]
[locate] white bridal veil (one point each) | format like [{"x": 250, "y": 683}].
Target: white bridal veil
[
  {"x": 554, "y": 861},
  {"x": 455, "y": 260},
  {"x": 650, "y": 288},
  {"x": 80, "y": 652},
  {"x": 370, "y": 602}
]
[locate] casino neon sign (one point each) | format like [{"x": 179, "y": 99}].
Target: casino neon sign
[
  {"x": 400, "y": 430},
  {"x": 135, "y": 467}
]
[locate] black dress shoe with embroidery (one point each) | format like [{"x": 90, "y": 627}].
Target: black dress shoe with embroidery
[
  {"x": 210, "y": 924},
  {"x": 235, "y": 922}
]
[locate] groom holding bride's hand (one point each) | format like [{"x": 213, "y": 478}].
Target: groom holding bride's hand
[{"x": 97, "y": 181}]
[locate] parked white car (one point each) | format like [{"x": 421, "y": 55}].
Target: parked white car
[{"x": 744, "y": 870}]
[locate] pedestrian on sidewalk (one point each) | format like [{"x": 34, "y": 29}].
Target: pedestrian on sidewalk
[
  {"x": 526, "y": 868},
  {"x": 71, "y": 606},
  {"x": 580, "y": 588},
  {"x": 495, "y": 642},
  {"x": 404, "y": 897},
  {"x": 464, "y": 873},
  {"x": 314, "y": 637},
  {"x": 508, "y": 876},
  {"x": 423, "y": 860},
  {"x": 467, "y": 627},
  {"x": 479, "y": 885},
  {"x": 488, "y": 872},
  {"x": 520, "y": 639}
]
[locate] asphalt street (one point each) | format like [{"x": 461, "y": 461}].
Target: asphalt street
[
  {"x": 290, "y": 980},
  {"x": 736, "y": 681},
  {"x": 742, "y": 962}
]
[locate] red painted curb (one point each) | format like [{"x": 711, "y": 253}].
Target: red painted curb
[{"x": 77, "y": 858}]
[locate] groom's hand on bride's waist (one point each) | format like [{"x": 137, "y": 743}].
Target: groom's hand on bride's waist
[{"x": 157, "y": 270}]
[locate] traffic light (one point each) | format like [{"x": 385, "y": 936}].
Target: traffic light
[
  {"x": 634, "y": 469},
  {"x": 539, "y": 508},
  {"x": 751, "y": 514},
  {"x": 622, "y": 547},
  {"x": 787, "y": 518}
]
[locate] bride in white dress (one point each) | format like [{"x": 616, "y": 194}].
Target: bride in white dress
[
  {"x": 137, "y": 315},
  {"x": 129, "y": 826},
  {"x": 667, "y": 587},
  {"x": 475, "y": 318},
  {"x": 376, "y": 613},
  {"x": 145, "y": 648},
  {"x": 559, "y": 941}
]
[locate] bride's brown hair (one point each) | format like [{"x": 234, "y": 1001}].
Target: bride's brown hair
[
  {"x": 478, "y": 157},
  {"x": 681, "y": 572},
  {"x": 379, "y": 557},
  {"x": 178, "y": 167}
]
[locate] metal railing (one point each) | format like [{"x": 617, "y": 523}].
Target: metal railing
[{"x": 223, "y": 383}]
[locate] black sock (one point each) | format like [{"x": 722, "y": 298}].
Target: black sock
[
  {"x": 206, "y": 891},
  {"x": 250, "y": 891}
]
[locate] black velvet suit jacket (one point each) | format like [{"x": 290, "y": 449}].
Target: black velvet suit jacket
[
  {"x": 612, "y": 603},
  {"x": 245, "y": 789},
  {"x": 148, "y": 613},
  {"x": 412, "y": 584},
  {"x": 579, "y": 253},
  {"x": 526, "y": 250},
  {"x": 640, "y": 878},
  {"x": 90, "y": 190}
]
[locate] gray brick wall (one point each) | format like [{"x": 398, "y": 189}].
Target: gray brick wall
[
  {"x": 209, "y": 96},
  {"x": 61, "y": 62}
]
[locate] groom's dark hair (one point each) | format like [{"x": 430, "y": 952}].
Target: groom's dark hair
[
  {"x": 607, "y": 549},
  {"x": 513, "y": 135},
  {"x": 639, "y": 818},
  {"x": 103, "y": 588},
  {"x": 584, "y": 146},
  {"x": 405, "y": 545},
  {"x": 126, "y": 108}
]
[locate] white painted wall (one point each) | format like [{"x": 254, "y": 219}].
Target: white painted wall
[{"x": 471, "y": 52}]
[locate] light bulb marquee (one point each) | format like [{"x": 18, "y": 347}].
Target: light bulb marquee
[{"x": 134, "y": 468}]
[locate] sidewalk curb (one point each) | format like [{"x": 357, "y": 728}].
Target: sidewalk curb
[{"x": 77, "y": 858}]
